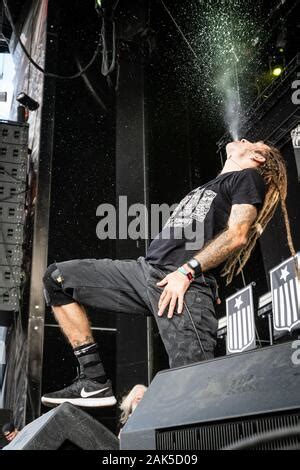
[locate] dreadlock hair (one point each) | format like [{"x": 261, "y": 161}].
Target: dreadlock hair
[{"x": 273, "y": 171}]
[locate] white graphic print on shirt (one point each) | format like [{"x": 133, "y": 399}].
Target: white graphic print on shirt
[{"x": 194, "y": 206}]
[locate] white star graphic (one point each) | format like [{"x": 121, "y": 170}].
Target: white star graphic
[
  {"x": 238, "y": 302},
  {"x": 284, "y": 273}
]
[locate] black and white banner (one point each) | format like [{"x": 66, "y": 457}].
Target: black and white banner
[
  {"x": 285, "y": 288},
  {"x": 240, "y": 321}
]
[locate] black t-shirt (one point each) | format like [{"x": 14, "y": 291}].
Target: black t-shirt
[{"x": 203, "y": 214}]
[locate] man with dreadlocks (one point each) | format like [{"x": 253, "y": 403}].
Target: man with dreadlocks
[{"x": 217, "y": 223}]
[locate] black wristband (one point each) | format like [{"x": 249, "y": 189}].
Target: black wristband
[{"x": 195, "y": 266}]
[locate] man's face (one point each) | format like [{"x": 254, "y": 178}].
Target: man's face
[
  {"x": 11, "y": 435},
  {"x": 242, "y": 149}
]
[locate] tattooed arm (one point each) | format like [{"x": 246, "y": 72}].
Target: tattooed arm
[
  {"x": 218, "y": 250},
  {"x": 214, "y": 253}
]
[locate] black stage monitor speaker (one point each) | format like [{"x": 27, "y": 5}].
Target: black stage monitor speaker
[
  {"x": 213, "y": 404},
  {"x": 64, "y": 427}
]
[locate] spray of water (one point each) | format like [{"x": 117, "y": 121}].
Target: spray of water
[
  {"x": 232, "y": 100},
  {"x": 225, "y": 38},
  {"x": 230, "y": 41},
  {"x": 233, "y": 113}
]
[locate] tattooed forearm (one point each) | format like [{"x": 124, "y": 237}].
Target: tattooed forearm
[{"x": 218, "y": 250}]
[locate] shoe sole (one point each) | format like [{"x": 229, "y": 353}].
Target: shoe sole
[{"x": 84, "y": 402}]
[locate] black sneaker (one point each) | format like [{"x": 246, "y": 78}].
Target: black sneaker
[{"x": 82, "y": 392}]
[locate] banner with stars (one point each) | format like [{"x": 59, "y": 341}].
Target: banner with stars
[
  {"x": 285, "y": 290},
  {"x": 240, "y": 321}
]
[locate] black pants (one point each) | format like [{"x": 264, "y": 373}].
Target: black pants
[{"x": 129, "y": 286}]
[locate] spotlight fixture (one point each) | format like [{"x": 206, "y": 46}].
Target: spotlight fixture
[
  {"x": 27, "y": 102},
  {"x": 277, "y": 71}
]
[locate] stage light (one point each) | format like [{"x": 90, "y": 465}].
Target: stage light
[
  {"x": 277, "y": 71},
  {"x": 27, "y": 102}
]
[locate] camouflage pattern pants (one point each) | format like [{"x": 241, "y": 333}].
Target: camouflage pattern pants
[{"x": 129, "y": 286}]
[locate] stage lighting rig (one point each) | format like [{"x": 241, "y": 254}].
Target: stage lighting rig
[{"x": 27, "y": 102}]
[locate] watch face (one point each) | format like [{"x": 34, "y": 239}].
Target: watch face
[{"x": 193, "y": 263}]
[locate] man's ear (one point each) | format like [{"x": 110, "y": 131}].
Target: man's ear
[{"x": 258, "y": 158}]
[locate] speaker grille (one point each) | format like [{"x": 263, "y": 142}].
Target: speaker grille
[{"x": 219, "y": 435}]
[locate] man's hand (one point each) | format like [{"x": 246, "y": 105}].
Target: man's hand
[{"x": 176, "y": 284}]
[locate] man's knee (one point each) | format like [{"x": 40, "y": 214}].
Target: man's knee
[
  {"x": 47, "y": 276},
  {"x": 53, "y": 291}
]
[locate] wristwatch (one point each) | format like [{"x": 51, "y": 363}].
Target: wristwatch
[{"x": 195, "y": 266}]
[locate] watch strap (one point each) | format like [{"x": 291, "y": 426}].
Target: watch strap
[{"x": 195, "y": 267}]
